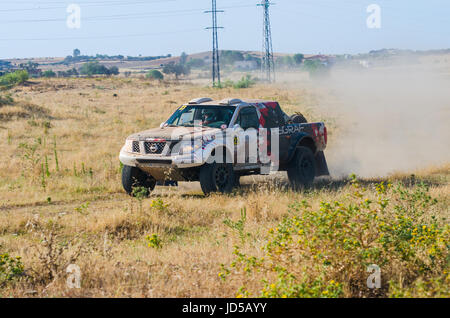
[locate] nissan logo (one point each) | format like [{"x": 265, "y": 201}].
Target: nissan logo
[{"x": 153, "y": 148}]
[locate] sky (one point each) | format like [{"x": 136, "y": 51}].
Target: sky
[{"x": 158, "y": 27}]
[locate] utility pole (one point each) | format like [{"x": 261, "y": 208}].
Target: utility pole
[
  {"x": 215, "y": 50},
  {"x": 267, "y": 65}
]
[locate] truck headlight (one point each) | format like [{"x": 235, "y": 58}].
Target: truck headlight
[{"x": 128, "y": 145}]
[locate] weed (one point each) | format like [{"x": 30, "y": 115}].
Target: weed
[
  {"x": 239, "y": 226},
  {"x": 153, "y": 241},
  {"x": 159, "y": 205},
  {"x": 10, "y": 268},
  {"x": 83, "y": 209}
]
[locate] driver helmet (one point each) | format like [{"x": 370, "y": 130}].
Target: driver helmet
[{"x": 209, "y": 115}]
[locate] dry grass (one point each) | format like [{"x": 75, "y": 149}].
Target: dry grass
[{"x": 75, "y": 211}]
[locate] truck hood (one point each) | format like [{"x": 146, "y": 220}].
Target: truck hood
[{"x": 173, "y": 133}]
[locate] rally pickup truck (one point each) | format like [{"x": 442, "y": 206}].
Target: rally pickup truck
[{"x": 217, "y": 142}]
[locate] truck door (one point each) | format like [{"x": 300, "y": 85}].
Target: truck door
[{"x": 247, "y": 142}]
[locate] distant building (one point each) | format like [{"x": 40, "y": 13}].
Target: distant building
[{"x": 324, "y": 59}]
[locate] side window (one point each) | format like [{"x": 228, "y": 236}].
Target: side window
[{"x": 248, "y": 118}]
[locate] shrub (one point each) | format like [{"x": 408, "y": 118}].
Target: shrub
[
  {"x": 316, "y": 68},
  {"x": 95, "y": 68},
  {"x": 153, "y": 241},
  {"x": 16, "y": 78},
  {"x": 195, "y": 63},
  {"x": 244, "y": 82},
  {"x": 298, "y": 58},
  {"x": 155, "y": 74},
  {"x": 176, "y": 69},
  {"x": 10, "y": 268},
  {"x": 49, "y": 73},
  {"x": 325, "y": 252}
]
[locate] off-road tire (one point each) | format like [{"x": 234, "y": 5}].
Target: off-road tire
[
  {"x": 302, "y": 168},
  {"x": 133, "y": 177},
  {"x": 216, "y": 177},
  {"x": 237, "y": 181}
]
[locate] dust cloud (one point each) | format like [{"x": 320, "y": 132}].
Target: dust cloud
[{"x": 390, "y": 119}]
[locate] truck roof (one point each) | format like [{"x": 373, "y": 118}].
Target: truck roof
[{"x": 226, "y": 101}]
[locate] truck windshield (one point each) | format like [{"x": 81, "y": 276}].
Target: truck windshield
[{"x": 209, "y": 116}]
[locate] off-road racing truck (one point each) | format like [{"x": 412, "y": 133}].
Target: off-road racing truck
[{"x": 217, "y": 142}]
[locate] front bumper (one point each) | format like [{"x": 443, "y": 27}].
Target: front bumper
[{"x": 160, "y": 161}]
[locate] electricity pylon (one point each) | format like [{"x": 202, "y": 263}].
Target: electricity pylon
[
  {"x": 267, "y": 63},
  {"x": 215, "y": 50}
]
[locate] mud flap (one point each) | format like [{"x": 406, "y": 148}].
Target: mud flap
[{"x": 321, "y": 165}]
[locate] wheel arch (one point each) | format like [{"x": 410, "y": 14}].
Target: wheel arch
[
  {"x": 225, "y": 151},
  {"x": 303, "y": 141}
]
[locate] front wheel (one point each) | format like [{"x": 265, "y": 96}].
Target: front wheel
[
  {"x": 302, "y": 169},
  {"x": 217, "y": 177},
  {"x": 134, "y": 178}
]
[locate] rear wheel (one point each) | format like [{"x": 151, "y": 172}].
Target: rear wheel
[
  {"x": 216, "y": 177},
  {"x": 237, "y": 181},
  {"x": 302, "y": 169},
  {"x": 133, "y": 178}
]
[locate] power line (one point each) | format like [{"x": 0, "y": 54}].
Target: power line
[
  {"x": 82, "y": 4},
  {"x": 215, "y": 50},
  {"x": 124, "y": 16},
  {"x": 268, "y": 64},
  {"x": 101, "y": 36}
]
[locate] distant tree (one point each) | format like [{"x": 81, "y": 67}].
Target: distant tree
[
  {"x": 49, "y": 73},
  {"x": 286, "y": 61},
  {"x": 316, "y": 68},
  {"x": 195, "y": 63},
  {"x": 183, "y": 58},
  {"x": 94, "y": 68},
  {"x": 155, "y": 74},
  {"x": 114, "y": 70},
  {"x": 229, "y": 57},
  {"x": 76, "y": 53},
  {"x": 176, "y": 69},
  {"x": 68, "y": 73},
  {"x": 298, "y": 58}
]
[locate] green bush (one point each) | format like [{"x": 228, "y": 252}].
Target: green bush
[
  {"x": 153, "y": 241},
  {"x": 298, "y": 58},
  {"x": 316, "y": 68},
  {"x": 155, "y": 74},
  {"x": 326, "y": 252},
  {"x": 244, "y": 82},
  {"x": 49, "y": 73},
  {"x": 16, "y": 78},
  {"x": 10, "y": 268},
  {"x": 176, "y": 69},
  {"x": 95, "y": 68}
]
